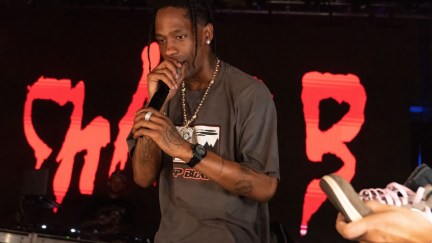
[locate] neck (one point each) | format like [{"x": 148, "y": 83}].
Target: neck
[{"x": 202, "y": 79}]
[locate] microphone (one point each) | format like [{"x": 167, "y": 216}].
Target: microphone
[{"x": 159, "y": 97}]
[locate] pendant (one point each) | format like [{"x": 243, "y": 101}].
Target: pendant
[{"x": 186, "y": 133}]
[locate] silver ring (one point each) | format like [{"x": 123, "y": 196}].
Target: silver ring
[{"x": 148, "y": 115}]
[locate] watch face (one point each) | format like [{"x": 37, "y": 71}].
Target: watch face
[{"x": 200, "y": 150}]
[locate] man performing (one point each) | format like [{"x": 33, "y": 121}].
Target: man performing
[{"x": 215, "y": 151}]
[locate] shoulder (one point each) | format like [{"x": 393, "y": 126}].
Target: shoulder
[{"x": 242, "y": 83}]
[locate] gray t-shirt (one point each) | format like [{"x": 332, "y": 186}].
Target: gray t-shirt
[{"x": 238, "y": 122}]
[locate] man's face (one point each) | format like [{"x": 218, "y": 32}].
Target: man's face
[{"x": 176, "y": 39}]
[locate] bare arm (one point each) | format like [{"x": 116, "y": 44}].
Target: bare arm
[
  {"x": 237, "y": 178},
  {"x": 146, "y": 161}
]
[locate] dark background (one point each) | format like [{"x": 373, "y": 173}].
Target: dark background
[{"x": 102, "y": 47}]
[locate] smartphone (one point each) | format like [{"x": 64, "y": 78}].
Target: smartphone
[{"x": 343, "y": 196}]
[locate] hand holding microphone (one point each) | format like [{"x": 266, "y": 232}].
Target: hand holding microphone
[
  {"x": 165, "y": 78},
  {"x": 166, "y": 72},
  {"x": 150, "y": 123}
]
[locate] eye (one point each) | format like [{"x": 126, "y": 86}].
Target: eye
[
  {"x": 181, "y": 37},
  {"x": 160, "y": 41}
]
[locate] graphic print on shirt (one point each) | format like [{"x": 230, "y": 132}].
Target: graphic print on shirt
[{"x": 208, "y": 136}]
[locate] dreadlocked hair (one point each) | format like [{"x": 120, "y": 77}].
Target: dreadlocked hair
[{"x": 199, "y": 11}]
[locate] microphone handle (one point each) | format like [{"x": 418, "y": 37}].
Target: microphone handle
[{"x": 159, "y": 97}]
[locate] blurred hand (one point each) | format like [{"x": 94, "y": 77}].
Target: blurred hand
[{"x": 387, "y": 224}]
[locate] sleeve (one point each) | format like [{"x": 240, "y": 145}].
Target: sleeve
[{"x": 257, "y": 130}]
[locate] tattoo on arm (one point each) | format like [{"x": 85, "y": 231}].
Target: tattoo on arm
[
  {"x": 243, "y": 187},
  {"x": 147, "y": 146},
  {"x": 245, "y": 170}
]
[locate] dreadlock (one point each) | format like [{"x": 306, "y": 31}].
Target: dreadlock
[{"x": 199, "y": 11}]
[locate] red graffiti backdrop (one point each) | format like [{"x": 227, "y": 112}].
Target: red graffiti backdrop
[
  {"x": 72, "y": 80},
  {"x": 91, "y": 138}
]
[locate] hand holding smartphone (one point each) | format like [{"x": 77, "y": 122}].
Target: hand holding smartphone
[{"x": 343, "y": 196}]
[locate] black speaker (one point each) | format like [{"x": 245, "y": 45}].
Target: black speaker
[{"x": 35, "y": 183}]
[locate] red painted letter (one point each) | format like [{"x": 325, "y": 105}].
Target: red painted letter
[
  {"x": 90, "y": 139},
  {"x": 121, "y": 151},
  {"x": 342, "y": 88}
]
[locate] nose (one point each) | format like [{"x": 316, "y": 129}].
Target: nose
[{"x": 171, "y": 48}]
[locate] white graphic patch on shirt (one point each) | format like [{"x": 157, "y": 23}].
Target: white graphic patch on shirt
[{"x": 206, "y": 136}]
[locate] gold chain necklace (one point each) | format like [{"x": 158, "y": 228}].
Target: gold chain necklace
[{"x": 185, "y": 131}]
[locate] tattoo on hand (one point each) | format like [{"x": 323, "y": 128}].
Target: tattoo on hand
[{"x": 172, "y": 136}]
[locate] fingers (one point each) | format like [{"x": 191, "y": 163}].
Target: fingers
[
  {"x": 182, "y": 72},
  {"x": 145, "y": 110},
  {"x": 341, "y": 223},
  {"x": 168, "y": 71},
  {"x": 182, "y": 75},
  {"x": 164, "y": 75},
  {"x": 147, "y": 120},
  {"x": 351, "y": 230},
  {"x": 148, "y": 114},
  {"x": 378, "y": 207}
]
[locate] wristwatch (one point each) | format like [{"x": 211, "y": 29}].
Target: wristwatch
[{"x": 198, "y": 153}]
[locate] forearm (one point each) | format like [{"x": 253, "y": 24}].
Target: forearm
[
  {"x": 238, "y": 178},
  {"x": 146, "y": 161}
]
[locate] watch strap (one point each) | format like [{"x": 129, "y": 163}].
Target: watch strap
[{"x": 196, "y": 158}]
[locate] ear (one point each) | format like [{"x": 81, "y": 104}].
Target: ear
[{"x": 208, "y": 33}]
